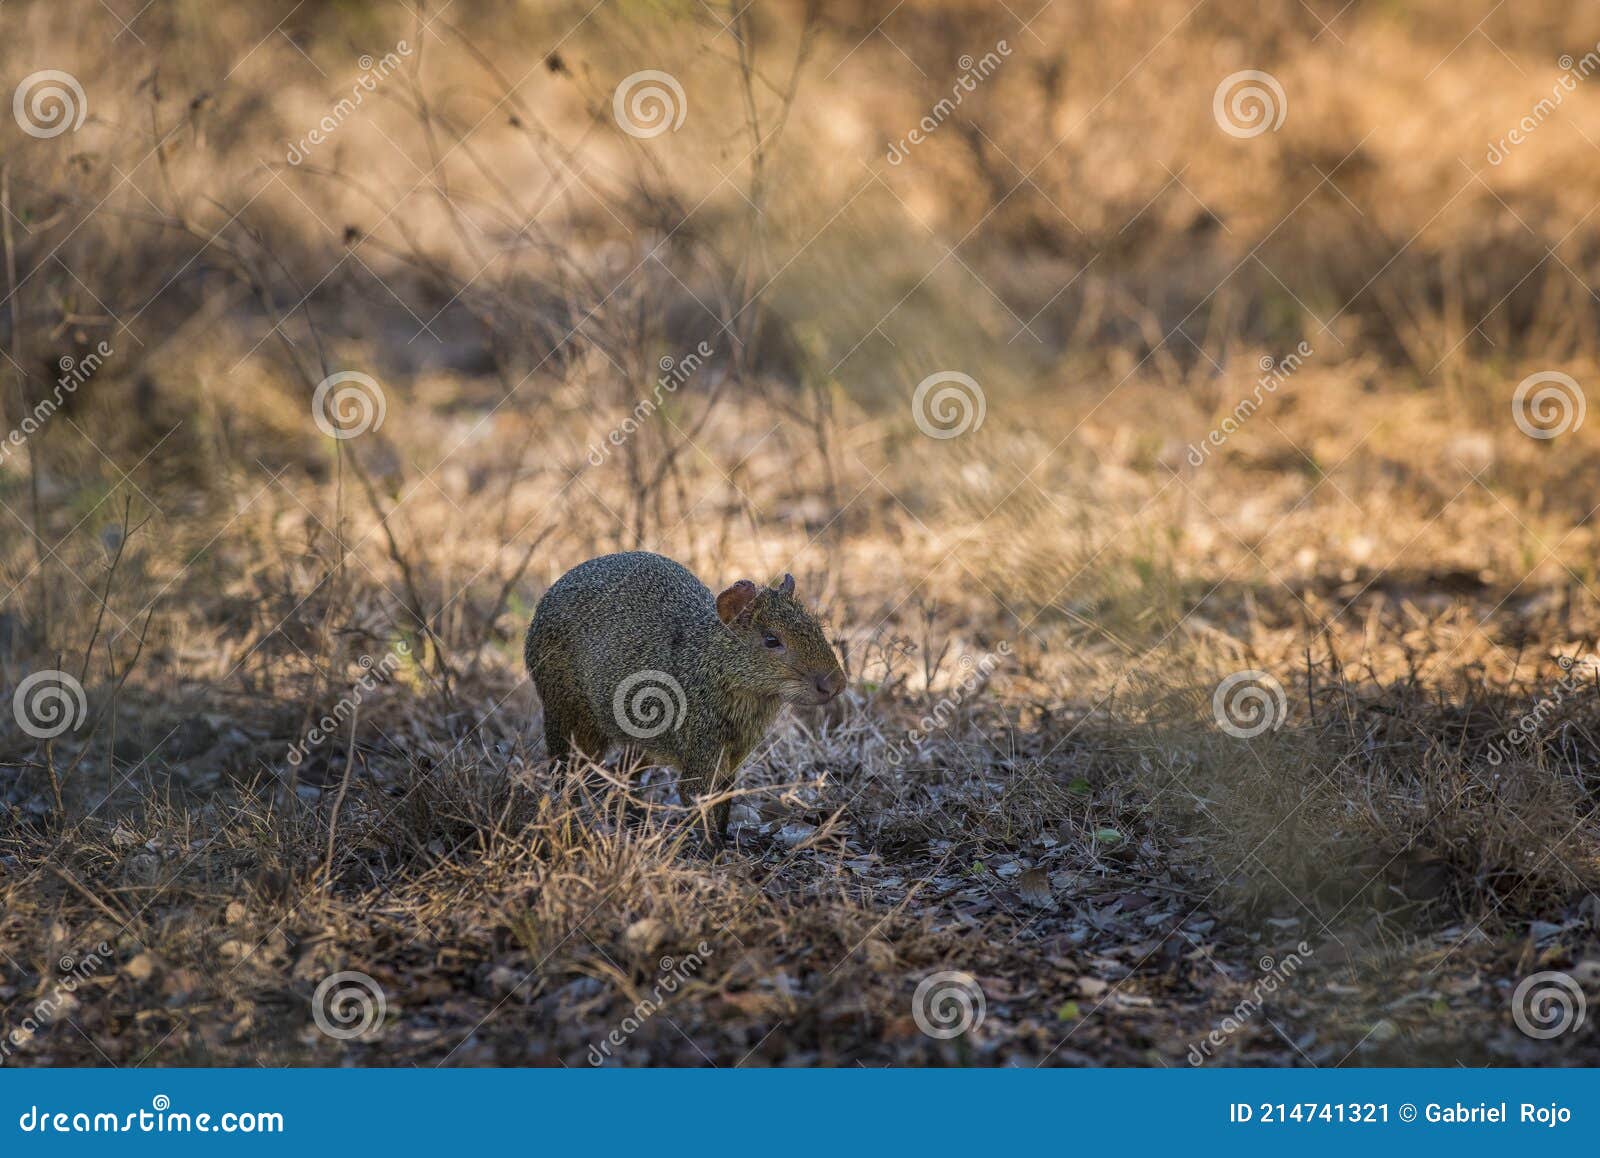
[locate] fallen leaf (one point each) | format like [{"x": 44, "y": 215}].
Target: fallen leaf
[
  {"x": 794, "y": 833},
  {"x": 1034, "y": 887}
]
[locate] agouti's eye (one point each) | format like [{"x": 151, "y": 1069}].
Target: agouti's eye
[{"x": 772, "y": 641}]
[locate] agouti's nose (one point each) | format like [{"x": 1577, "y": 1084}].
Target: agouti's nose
[{"x": 831, "y": 684}]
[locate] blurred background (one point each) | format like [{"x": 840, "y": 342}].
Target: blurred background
[{"x": 1089, "y": 365}]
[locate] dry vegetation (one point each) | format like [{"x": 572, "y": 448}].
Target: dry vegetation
[{"x": 1060, "y": 589}]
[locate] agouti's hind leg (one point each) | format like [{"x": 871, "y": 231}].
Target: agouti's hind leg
[
  {"x": 556, "y": 739},
  {"x": 564, "y": 730}
]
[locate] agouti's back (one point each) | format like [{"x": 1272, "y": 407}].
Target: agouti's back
[
  {"x": 620, "y": 601},
  {"x": 611, "y": 617}
]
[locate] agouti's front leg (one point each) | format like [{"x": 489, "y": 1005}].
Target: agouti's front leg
[
  {"x": 690, "y": 785},
  {"x": 698, "y": 775}
]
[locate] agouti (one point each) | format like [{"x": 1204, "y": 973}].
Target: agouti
[{"x": 632, "y": 649}]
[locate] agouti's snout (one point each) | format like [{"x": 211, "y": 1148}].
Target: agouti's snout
[{"x": 829, "y": 686}]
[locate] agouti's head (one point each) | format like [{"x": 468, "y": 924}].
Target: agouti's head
[{"x": 783, "y": 651}]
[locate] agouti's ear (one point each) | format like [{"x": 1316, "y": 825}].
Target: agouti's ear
[
  {"x": 786, "y": 584},
  {"x": 736, "y": 600}
]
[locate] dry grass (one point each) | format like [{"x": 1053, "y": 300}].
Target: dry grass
[{"x": 1026, "y": 781}]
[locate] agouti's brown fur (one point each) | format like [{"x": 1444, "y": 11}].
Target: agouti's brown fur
[{"x": 632, "y": 649}]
